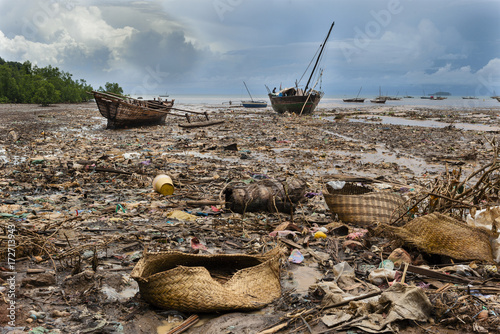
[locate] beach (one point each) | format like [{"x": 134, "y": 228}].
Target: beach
[{"x": 81, "y": 197}]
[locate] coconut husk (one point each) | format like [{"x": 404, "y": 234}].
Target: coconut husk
[
  {"x": 440, "y": 234},
  {"x": 265, "y": 195}
]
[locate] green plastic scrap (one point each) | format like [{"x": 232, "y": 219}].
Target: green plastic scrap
[
  {"x": 118, "y": 207},
  {"x": 41, "y": 330},
  {"x": 10, "y": 215}
]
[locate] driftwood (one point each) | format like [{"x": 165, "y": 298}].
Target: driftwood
[
  {"x": 200, "y": 124},
  {"x": 91, "y": 166}
]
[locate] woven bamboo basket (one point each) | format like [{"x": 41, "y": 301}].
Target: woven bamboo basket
[
  {"x": 208, "y": 283},
  {"x": 350, "y": 188},
  {"x": 366, "y": 208},
  {"x": 437, "y": 233}
]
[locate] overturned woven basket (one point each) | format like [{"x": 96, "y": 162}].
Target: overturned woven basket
[
  {"x": 208, "y": 283},
  {"x": 364, "y": 209},
  {"x": 437, "y": 233}
]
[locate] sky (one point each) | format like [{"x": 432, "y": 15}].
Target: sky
[{"x": 212, "y": 46}]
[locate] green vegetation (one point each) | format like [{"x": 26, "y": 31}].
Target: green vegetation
[
  {"x": 25, "y": 83},
  {"x": 111, "y": 88}
]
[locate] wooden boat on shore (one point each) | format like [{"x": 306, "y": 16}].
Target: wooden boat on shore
[
  {"x": 121, "y": 111},
  {"x": 297, "y": 100}
]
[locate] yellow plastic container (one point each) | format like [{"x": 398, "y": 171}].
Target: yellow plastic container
[
  {"x": 163, "y": 184},
  {"x": 319, "y": 235}
]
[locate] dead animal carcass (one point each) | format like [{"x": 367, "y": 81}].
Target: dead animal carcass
[{"x": 265, "y": 195}]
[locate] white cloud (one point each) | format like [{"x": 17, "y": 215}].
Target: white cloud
[{"x": 489, "y": 75}]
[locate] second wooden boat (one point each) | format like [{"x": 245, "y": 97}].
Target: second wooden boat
[{"x": 297, "y": 100}]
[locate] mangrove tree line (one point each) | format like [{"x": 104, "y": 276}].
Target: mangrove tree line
[{"x": 27, "y": 83}]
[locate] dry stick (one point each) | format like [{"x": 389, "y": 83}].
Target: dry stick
[
  {"x": 51, "y": 259},
  {"x": 491, "y": 164},
  {"x": 345, "y": 302},
  {"x": 452, "y": 200},
  {"x": 487, "y": 172},
  {"x": 305, "y": 323},
  {"x": 185, "y": 325},
  {"x": 347, "y": 324},
  {"x": 276, "y": 208},
  {"x": 285, "y": 187},
  {"x": 407, "y": 211},
  {"x": 404, "y": 273}
]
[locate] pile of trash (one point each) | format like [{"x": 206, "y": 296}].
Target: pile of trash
[{"x": 167, "y": 230}]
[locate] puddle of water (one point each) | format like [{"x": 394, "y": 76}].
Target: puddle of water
[
  {"x": 416, "y": 165},
  {"x": 424, "y": 123},
  {"x": 301, "y": 278},
  {"x": 166, "y": 325}
]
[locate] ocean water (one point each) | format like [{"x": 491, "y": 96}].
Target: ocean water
[{"x": 328, "y": 102}]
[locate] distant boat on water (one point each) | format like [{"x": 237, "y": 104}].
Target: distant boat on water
[
  {"x": 408, "y": 96},
  {"x": 394, "y": 98},
  {"x": 252, "y": 103},
  {"x": 297, "y": 100},
  {"x": 425, "y": 97},
  {"x": 469, "y": 97},
  {"x": 379, "y": 99},
  {"x": 438, "y": 98},
  {"x": 356, "y": 99}
]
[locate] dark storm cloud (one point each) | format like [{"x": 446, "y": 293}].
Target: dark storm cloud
[
  {"x": 210, "y": 46},
  {"x": 170, "y": 51}
]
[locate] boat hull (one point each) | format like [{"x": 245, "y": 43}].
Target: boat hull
[
  {"x": 355, "y": 100},
  {"x": 298, "y": 104},
  {"x": 254, "y": 104},
  {"x": 126, "y": 112}
]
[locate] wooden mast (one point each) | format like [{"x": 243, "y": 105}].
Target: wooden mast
[{"x": 319, "y": 56}]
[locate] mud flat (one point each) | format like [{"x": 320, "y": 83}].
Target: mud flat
[{"x": 81, "y": 201}]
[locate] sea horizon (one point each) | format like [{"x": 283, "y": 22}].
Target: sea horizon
[{"x": 329, "y": 101}]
